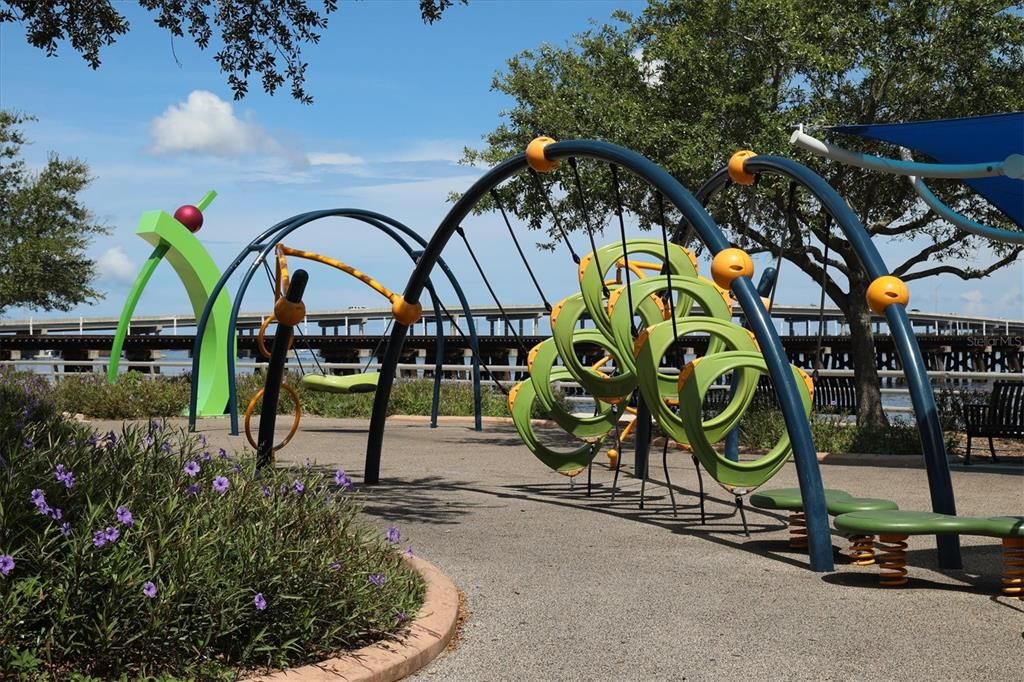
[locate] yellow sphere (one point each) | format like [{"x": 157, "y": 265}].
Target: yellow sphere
[
  {"x": 535, "y": 155},
  {"x": 405, "y": 312},
  {"x": 289, "y": 313},
  {"x": 728, "y": 264},
  {"x": 885, "y": 291},
  {"x": 737, "y": 173}
]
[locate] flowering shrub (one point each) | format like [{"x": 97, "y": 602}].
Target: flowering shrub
[{"x": 145, "y": 554}]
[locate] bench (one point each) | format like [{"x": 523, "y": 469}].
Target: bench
[
  {"x": 1002, "y": 417},
  {"x": 862, "y": 549},
  {"x": 894, "y": 527},
  {"x": 831, "y": 395}
]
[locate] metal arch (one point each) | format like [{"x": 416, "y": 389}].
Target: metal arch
[
  {"x": 820, "y": 543},
  {"x": 926, "y": 413},
  {"x": 279, "y": 231}
]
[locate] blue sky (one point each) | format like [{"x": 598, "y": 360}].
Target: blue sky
[{"x": 396, "y": 101}]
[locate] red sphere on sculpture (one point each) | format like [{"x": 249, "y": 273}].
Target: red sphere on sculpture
[{"x": 189, "y": 216}]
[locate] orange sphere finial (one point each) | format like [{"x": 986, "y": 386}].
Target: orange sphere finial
[
  {"x": 288, "y": 312},
  {"x": 737, "y": 173},
  {"x": 728, "y": 264},
  {"x": 535, "y": 155},
  {"x": 885, "y": 291},
  {"x": 404, "y": 312}
]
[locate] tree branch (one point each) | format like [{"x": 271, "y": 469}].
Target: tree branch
[
  {"x": 965, "y": 273},
  {"x": 925, "y": 253}
]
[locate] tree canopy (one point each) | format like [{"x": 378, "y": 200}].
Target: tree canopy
[
  {"x": 689, "y": 82},
  {"x": 44, "y": 228},
  {"x": 257, "y": 37}
]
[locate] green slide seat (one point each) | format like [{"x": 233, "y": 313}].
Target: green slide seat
[
  {"x": 520, "y": 403},
  {"x": 893, "y": 522},
  {"x": 342, "y": 383},
  {"x": 836, "y": 501}
]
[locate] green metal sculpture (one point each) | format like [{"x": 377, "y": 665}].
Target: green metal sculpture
[{"x": 173, "y": 238}]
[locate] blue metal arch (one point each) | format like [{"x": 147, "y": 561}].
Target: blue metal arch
[
  {"x": 278, "y": 232},
  {"x": 926, "y": 413},
  {"x": 819, "y": 536}
]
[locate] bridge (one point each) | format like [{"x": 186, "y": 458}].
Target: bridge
[{"x": 950, "y": 343}]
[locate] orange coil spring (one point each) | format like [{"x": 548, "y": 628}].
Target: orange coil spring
[
  {"x": 1013, "y": 567},
  {"x": 797, "y": 530},
  {"x": 892, "y": 560},
  {"x": 862, "y": 550}
]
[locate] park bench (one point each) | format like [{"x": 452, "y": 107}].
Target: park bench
[
  {"x": 831, "y": 394},
  {"x": 1002, "y": 416},
  {"x": 894, "y": 527}
]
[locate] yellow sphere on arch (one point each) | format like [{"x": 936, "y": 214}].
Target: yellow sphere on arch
[
  {"x": 535, "y": 155},
  {"x": 737, "y": 173},
  {"x": 728, "y": 264},
  {"x": 886, "y": 290}
]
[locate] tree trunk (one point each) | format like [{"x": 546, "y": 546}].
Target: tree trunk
[{"x": 862, "y": 353}]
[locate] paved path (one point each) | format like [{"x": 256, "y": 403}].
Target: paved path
[{"x": 564, "y": 587}]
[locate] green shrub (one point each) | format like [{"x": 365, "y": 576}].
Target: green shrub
[
  {"x": 144, "y": 554},
  {"x": 133, "y": 396}
]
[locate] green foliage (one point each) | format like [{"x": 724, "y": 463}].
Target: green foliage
[
  {"x": 78, "y": 599},
  {"x": 762, "y": 428},
  {"x": 137, "y": 396},
  {"x": 132, "y": 397},
  {"x": 253, "y": 34},
  {"x": 689, "y": 82},
  {"x": 44, "y": 227}
]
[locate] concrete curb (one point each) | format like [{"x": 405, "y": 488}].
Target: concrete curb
[{"x": 429, "y": 634}]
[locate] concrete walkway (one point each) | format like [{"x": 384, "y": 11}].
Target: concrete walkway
[{"x": 560, "y": 586}]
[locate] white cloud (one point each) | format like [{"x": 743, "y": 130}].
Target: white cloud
[
  {"x": 334, "y": 159},
  {"x": 206, "y": 124},
  {"x": 115, "y": 267}
]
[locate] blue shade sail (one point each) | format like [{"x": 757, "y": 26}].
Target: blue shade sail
[{"x": 978, "y": 139}]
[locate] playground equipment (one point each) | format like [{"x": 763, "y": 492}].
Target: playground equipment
[
  {"x": 608, "y": 380},
  {"x": 362, "y": 382},
  {"x": 173, "y": 238}
]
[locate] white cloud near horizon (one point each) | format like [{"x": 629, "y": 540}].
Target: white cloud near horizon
[
  {"x": 334, "y": 159},
  {"x": 206, "y": 124},
  {"x": 115, "y": 267}
]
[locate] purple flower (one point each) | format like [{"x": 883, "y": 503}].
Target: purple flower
[
  {"x": 400, "y": 616},
  {"x": 259, "y": 602},
  {"x": 337, "y": 565},
  {"x": 191, "y": 467},
  {"x": 149, "y": 589},
  {"x": 65, "y": 529},
  {"x": 39, "y": 500},
  {"x": 408, "y": 553},
  {"x": 206, "y": 456},
  {"x": 99, "y": 538},
  {"x": 202, "y": 440},
  {"x": 65, "y": 476},
  {"x": 111, "y": 534},
  {"x": 192, "y": 490},
  {"x": 299, "y": 486},
  {"x": 309, "y": 463},
  {"x": 124, "y": 516},
  {"x": 111, "y": 438},
  {"x": 55, "y": 513},
  {"x": 236, "y": 467},
  {"x": 378, "y": 579},
  {"x": 392, "y": 535},
  {"x": 148, "y": 440},
  {"x": 222, "y": 453},
  {"x": 92, "y": 440},
  {"x": 165, "y": 447},
  {"x": 221, "y": 484},
  {"x": 29, "y": 444},
  {"x": 342, "y": 480},
  {"x": 265, "y": 490},
  {"x": 6, "y": 564}
]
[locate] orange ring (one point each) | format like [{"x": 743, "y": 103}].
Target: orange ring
[
  {"x": 261, "y": 345},
  {"x": 295, "y": 422}
]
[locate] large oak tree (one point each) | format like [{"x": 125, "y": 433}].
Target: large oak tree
[{"x": 688, "y": 82}]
